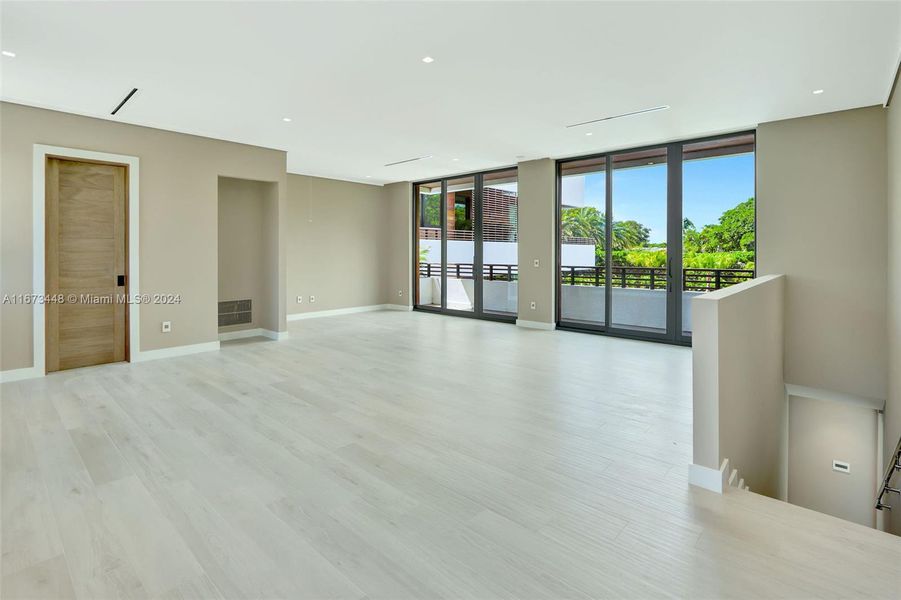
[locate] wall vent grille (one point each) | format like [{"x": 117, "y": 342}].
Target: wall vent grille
[{"x": 235, "y": 312}]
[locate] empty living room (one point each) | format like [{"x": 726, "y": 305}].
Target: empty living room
[{"x": 439, "y": 300}]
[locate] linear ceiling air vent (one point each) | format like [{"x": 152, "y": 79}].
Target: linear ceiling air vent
[
  {"x": 628, "y": 114},
  {"x": 400, "y": 162},
  {"x": 124, "y": 100}
]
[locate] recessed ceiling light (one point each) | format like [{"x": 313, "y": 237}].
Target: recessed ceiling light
[
  {"x": 455, "y": 159},
  {"x": 428, "y": 59},
  {"x": 369, "y": 177},
  {"x": 8, "y": 53},
  {"x": 286, "y": 119},
  {"x": 589, "y": 133},
  {"x": 817, "y": 92}
]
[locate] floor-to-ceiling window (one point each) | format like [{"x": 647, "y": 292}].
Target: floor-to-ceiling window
[
  {"x": 429, "y": 242},
  {"x": 643, "y": 231},
  {"x": 718, "y": 217},
  {"x": 466, "y": 234},
  {"x": 500, "y": 235}
]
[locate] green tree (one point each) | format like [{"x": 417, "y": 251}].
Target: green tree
[
  {"x": 630, "y": 234},
  {"x": 691, "y": 238},
  {"x": 589, "y": 222},
  {"x": 431, "y": 210},
  {"x": 733, "y": 233},
  {"x": 585, "y": 222}
]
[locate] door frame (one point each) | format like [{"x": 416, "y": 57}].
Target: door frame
[
  {"x": 674, "y": 209},
  {"x": 40, "y": 155},
  {"x": 478, "y": 247}
]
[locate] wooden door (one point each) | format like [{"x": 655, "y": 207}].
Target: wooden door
[{"x": 86, "y": 258}]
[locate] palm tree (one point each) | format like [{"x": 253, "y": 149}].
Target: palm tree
[
  {"x": 585, "y": 222},
  {"x": 588, "y": 222}
]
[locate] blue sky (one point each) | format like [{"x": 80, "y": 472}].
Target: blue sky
[{"x": 709, "y": 187}]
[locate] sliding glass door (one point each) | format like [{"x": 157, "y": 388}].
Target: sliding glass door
[
  {"x": 429, "y": 248},
  {"x": 643, "y": 231},
  {"x": 459, "y": 281},
  {"x": 639, "y": 290},
  {"x": 582, "y": 254},
  {"x": 466, "y": 234},
  {"x": 718, "y": 214},
  {"x": 500, "y": 243}
]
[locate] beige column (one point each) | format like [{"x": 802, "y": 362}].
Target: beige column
[{"x": 536, "y": 220}]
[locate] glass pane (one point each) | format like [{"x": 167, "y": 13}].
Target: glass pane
[
  {"x": 639, "y": 241},
  {"x": 500, "y": 272},
  {"x": 718, "y": 236},
  {"x": 460, "y": 244},
  {"x": 583, "y": 203},
  {"x": 428, "y": 255}
]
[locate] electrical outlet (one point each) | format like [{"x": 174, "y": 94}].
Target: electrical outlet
[
  {"x": 300, "y": 299},
  {"x": 400, "y": 293},
  {"x": 167, "y": 326},
  {"x": 312, "y": 298},
  {"x": 535, "y": 263},
  {"x": 532, "y": 305}
]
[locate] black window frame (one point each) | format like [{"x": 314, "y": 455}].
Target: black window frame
[
  {"x": 478, "y": 311},
  {"x": 674, "y": 328}
]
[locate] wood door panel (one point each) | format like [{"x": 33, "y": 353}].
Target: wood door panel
[
  {"x": 88, "y": 256},
  {"x": 86, "y": 251},
  {"x": 87, "y": 214},
  {"x": 87, "y": 175},
  {"x": 79, "y": 316}
]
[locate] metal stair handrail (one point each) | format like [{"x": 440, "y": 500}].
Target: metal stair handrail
[{"x": 886, "y": 487}]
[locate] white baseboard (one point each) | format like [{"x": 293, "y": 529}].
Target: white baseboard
[
  {"x": 256, "y": 332},
  {"x": 19, "y": 374},
  {"x": 276, "y": 335},
  {"x": 403, "y": 307},
  {"x": 240, "y": 334},
  {"x": 174, "y": 351},
  {"x": 536, "y": 325},
  {"x": 345, "y": 311},
  {"x": 714, "y": 480},
  {"x": 136, "y": 357}
]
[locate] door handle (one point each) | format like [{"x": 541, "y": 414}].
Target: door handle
[{"x": 120, "y": 280}]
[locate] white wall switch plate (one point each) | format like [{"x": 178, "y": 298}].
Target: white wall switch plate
[
  {"x": 400, "y": 293},
  {"x": 532, "y": 305},
  {"x": 300, "y": 299},
  {"x": 841, "y": 466},
  {"x": 167, "y": 326},
  {"x": 312, "y": 298},
  {"x": 535, "y": 263}
]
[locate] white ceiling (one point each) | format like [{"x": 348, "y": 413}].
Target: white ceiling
[{"x": 506, "y": 80}]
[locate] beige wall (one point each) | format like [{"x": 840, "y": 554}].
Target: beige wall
[
  {"x": 893, "y": 402},
  {"x": 178, "y": 224},
  {"x": 821, "y": 214},
  {"x": 245, "y": 234},
  {"x": 820, "y": 431},
  {"x": 398, "y": 243},
  {"x": 338, "y": 240},
  {"x": 536, "y": 219},
  {"x": 738, "y": 388}
]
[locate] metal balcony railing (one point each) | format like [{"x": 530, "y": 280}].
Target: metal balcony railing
[{"x": 650, "y": 278}]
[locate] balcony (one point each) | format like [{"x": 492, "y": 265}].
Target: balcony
[{"x": 639, "y": 293}]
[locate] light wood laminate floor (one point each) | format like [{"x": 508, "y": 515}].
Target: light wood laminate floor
[{"x": 397, "y": 455}]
